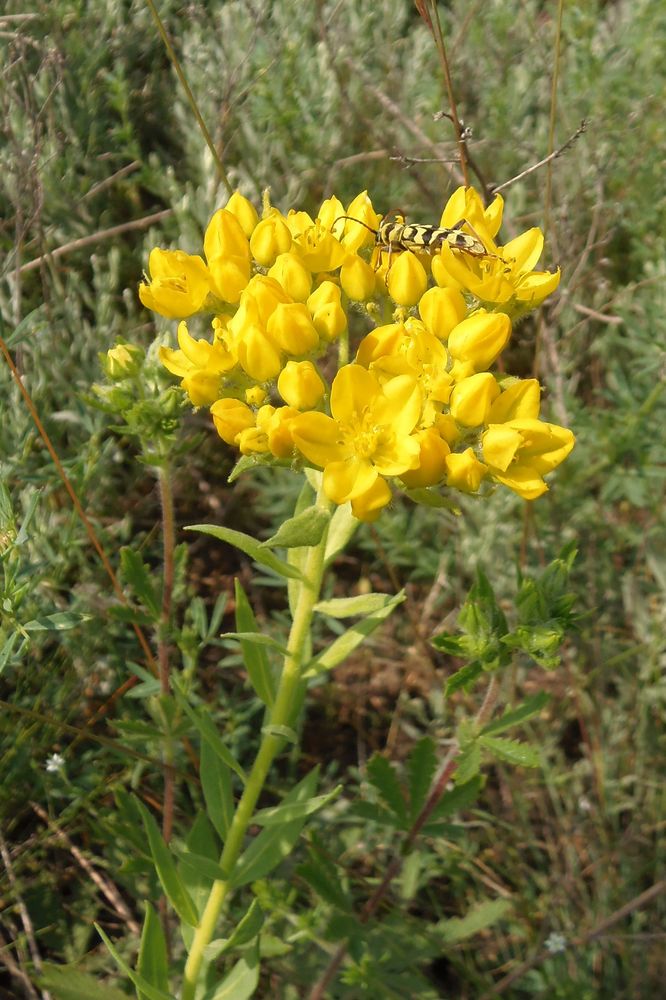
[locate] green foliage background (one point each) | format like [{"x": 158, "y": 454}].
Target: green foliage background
[{"x": 313, "y": 99}]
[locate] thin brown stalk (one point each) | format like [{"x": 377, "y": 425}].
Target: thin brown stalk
[
  {"x": 98, "y": 237},
  {"x": 546, "y": 160},
  {"x": 444, "y": 60},
  {"x": 15, "y": 970},
  {"x": 217, "y": 159},
  {"x": 552, "y": 119}
]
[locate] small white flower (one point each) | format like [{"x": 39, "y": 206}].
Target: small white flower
[
  {"x": 54, "y": 763},
  {"x": 556, "y": 943},
  {"x": 584, "y": 804}
]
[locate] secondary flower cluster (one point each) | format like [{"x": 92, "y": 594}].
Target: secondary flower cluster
[{"x": 418, "y": 406}]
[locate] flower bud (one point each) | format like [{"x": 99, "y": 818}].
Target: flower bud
[
  {"x": 328, "y": 316},
  {"x": 123, "y": 360},
  {"x": 471, "y": 399},
  {"x": 293, "y": 276},
  {"x": 301, "y": 385},
  {"x": 230, "y": 276},
  {"x": 255, "y": 395},
  {"x": 432, "y": 460},
  {"x": 231, "y": 416},
  {"x": 244, "y": 211},
  {"x": 291, "y": 328},
  {"x": 224, "y": 237},
  {"x": 358, "y": 279},
  {"x": 441, "y": 309},
  {"x": 407, "y": 279},
  {"x": 480, "y": 338},
  {"x": 464, "y": 471},
  {"x": 270, "y": 238},
  {"x": 520, "y": 399}
]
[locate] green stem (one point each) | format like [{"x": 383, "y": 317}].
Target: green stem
[{"x": 270, "y": 746}]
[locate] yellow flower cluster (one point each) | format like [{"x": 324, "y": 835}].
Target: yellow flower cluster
[{"x": 418, "y": 406}]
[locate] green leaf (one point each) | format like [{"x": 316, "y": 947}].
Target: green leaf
[
  {"x": 241, "y": 982},
  {"x": 455, "y": 800},
  {"x": 469, "y": 763},
  {"x": 65, "y": 982},
  {"x": 463, "y": 678},
  {"x": 511, "y": 751},
  {"x": 250, "y": 546},
  {"x": 516, "y": 716},
  {"x": 274, "y": 843},
  {"x": 216, "y": 784},
  {"x": 478, "y": 918},
  {"x": 254, "y": 656},
  {"x": 282, "y": 732},
  {"x": 151, "y": 992},
  {"x": 321, "y": 872},
  {"x": 347, "y": 607},
  {"x": 165, "y": 866},
  {"x": 287, "y": 812},
  {"x": 307, "y": 528},
  {"x": 58, "y": 622},
  {"x": 421, "y": 769},
  {"x": 342, "y": 527},
  {"x": 245, "y": 930},
  {"x": 258, "y": 638},
  {"x": 139, "y": 577},
  {"x": 340, "y": 649},
  {"x": 374, "y": 813},
  {"x": 383, "y": 777},
  {"x": 208, "y": 733},
  {"x": 153, "y": 961},
  {"x": 201, "y": 865}
]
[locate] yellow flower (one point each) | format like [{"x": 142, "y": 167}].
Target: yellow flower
[
  {"x": 369, "y": 434},
  {"x": 301, "y": 385},
  {"x": 290, "y": 326},
  {"x": 358, "y": 279},
  {"x": 230, "y": 417},
  {"x": 123, "y": 360},
  {"x": 441, "y": 309},
  {"x": 407, "y": 279},
  {"x": 521, "y": 398},
  {"x": 432, "y": 460},
  {"x": 464, "y": 471},
  {"x": 270, "y": 239},
  {"x": 519, "y": 452},
  {"x": 199, "y": 364},
  {"x": 275, "y": 422},
  {"x": 293, "y": 276},
  {"x": 472, "y": 398},
  {"x": 244, "y": 211},
  {"x": 368, "y": 506},
  {"x": 179, "y": 284},
  {"x": 325, "y": 307},
  {"x": 479, "y": 339}
]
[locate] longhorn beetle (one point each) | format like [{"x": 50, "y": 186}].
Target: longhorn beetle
[{"x": 398, "y": 235}]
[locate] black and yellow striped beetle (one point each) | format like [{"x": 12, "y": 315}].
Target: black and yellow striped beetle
[{"x": 395, "y": 235}]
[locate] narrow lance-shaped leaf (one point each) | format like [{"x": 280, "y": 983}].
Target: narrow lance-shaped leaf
[
  {"x": 254, "y": 655},
  {"x": 516, "y": 716},
  {"x": 306, "y": 529},
  {"x": 340, "y": 649},
  {"x": 250, "y": 546},
  {"x": 171, "y": 881},
  {"x": 208, "y": 732},
  {"x": 151, "y": 992},
  {"x": 66, "y": 983},
  {"x": 216, "y": 784},
  {"x": 274, "y": 843},
  {"x": 153, "y": 961},
  {"x": 382, "y": 775},
  {"x": 241, "y": 982},
  {"x": 139, "y": 578}
]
